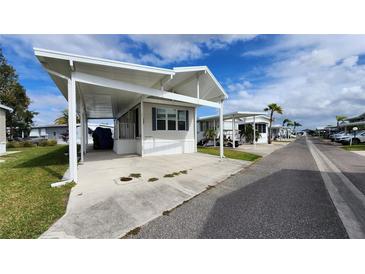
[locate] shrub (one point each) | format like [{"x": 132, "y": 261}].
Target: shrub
[
  {"x": 14, "y": 144},
  {"x": 51, "y": 142},
  {"x": 28, "y": 144},
  {"x": 43, "y": 143}
]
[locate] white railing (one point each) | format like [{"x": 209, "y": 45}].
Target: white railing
[{"x": 127, "y": 131}]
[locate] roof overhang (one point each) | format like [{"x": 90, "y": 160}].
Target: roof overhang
[
  {"x": 231, "y": 115},
  {"x": 108, "y": 87}
]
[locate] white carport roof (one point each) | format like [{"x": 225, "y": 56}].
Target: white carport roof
[
  {"x": 108, "y": 88},
  {"x": 229, "y": 116}
]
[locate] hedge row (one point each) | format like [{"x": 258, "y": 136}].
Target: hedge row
[{"x": 42, "y": 143}]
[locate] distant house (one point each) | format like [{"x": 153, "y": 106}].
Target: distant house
[
  {"x": 280, "y": 132},
  {"x": 3, "y": 110},
  {"x": 233, "y": 124},
  {"x": 52, "y": 132},
  {"x": 262, "y": 126},
  {"x": 58, "y": 132},
  {"x": 356, "y": 121}
]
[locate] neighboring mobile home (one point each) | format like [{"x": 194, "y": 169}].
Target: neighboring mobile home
[
  {"x": 351, "y": 122},
  {"x": 233, "y": 123},
  {"x": 57, "y": 132},
  {"x": 3, "y": 110},
  {"x": 154, "y": 109}
]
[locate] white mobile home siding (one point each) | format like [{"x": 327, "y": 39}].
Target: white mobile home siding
[{"x": 160, "y": 142}]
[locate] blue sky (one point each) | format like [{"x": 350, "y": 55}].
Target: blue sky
[{"x": 313, "y": 77}]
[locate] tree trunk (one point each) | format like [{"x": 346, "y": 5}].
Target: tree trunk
[{"x": 269, "y": 135}]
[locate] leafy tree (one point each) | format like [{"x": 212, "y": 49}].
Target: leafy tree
[
  {"x": 13, "y": 94},
  {"x": 272, "y": 108},
  {"x": 340, "y": 118},
  {"x": 63, "y": 119}
]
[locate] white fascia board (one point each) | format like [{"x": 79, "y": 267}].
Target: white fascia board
[
  {"x": 207, "y": 70},
  {"x": 237, "y": 114},
  {"x": 99, "y": 61},
  {"x": 6, "y": 108},
  {"x": 120, "y": 85},
  {"x": 217, "y": 83},
  {"x": 168, "y": 102},
  {"x": 190, "y": 69}
]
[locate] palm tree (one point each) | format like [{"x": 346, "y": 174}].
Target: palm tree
[
  {"x": 63, "y": 119},
  {"x": 340, "y": 118},
  {"x": 296, "y": 124},
  {"x": 286, "y": 121},
  {"x": 210, "y": 134},
  {"x": 272, "y": 108},
  {"x": 247, "y": 132}
]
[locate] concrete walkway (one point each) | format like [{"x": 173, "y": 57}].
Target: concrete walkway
[
  {"x": 359, "y": 152},
  {"x": 262, "y": 149},
  {"x": 101, "y": 206}
]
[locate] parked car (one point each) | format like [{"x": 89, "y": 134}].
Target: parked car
[
  {"x": 356, "y": 139},
  {"x": 337, "y": 137}
]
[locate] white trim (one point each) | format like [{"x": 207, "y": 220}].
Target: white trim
[
  {"x": 82, "y": 130},
  {"x": 72, "y": 130},
  {"x": 55, "y": 73},
  {"x": 98, "y": 61},
  {"x": 206, "y": 70},
  {"x": 221, "y": 125},
  {"x": 5, "y": 107},
  {"x": 238, "y": 114},
  {"x": 120, "y": 85},
  {"x": 167, "y": 102},
  {"x": 61, "y": 183}
]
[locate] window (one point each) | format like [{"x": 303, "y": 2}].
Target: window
[
  {"x": 161, "y": 119},
  {"x": 181, "y": 119},
  {"x": 136, "y": 118},
  {"x": 261, "y": 128},
  {"x": 171, "y": 119}
]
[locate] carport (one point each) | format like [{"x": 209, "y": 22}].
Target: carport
[
  {"x": 230, "y": 122},
  {"x": 106, "y": 89}
]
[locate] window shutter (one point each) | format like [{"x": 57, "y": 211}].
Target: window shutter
[
  {"x": 153, "y": 118},
  {"x": 187, "y": 121}
]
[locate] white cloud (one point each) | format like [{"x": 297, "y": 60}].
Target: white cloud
[
  {"x": 49, "y": 103},
  {"x": 314, "y": 78},
  {"x": 145, "y": 49},
  {"x": 177, "y": 48}
]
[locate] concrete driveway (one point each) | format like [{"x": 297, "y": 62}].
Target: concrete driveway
[
  {"x": 102, "y": 206},
  {"x": 262, "y": 149}
]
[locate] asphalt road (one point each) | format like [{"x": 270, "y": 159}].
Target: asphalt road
[{"x": 282, "y": 196}]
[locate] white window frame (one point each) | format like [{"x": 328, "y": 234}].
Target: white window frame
[
  {"x": 177, "y": 120},
  {"x": 167, "y": 119}
]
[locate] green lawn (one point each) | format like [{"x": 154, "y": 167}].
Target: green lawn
[
  {"x": 354, "y": 147},
  {"x": 28, "y": 204},
  {"x": 230, "y": 153}
]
